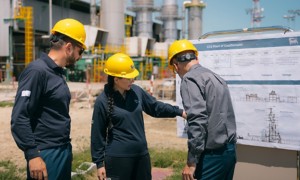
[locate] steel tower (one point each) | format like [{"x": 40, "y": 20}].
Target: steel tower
[{"x": 256, "y": 13}]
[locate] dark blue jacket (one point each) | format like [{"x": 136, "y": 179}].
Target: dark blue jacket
[
  {"x": 40, "y": 117},
  {"x": 127, "y": 136}
]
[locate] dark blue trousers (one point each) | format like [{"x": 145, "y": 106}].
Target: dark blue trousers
[
  {"x": 131, "y": 168},
  {"x": 58, "y": 161},
  {"x": 217, "y": 164}
]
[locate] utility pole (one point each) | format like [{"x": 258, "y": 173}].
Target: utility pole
[
  {"x": 50, "y": 16},
  {"x": 10, "y": 58},
  {"x": 292, "y": 16},
  {"x": 289, "y": 18}
]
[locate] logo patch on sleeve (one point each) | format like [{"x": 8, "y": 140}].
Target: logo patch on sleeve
[{"x": 26, "y": 93}]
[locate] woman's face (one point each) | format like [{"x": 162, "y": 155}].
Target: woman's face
[{"x": 123, "y": 84}]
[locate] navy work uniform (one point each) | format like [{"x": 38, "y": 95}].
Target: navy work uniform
[
  {"x": 40, "y": 121},
  {"x": 126, "y": 146}
]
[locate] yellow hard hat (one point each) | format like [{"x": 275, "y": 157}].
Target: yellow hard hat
[
  {"x": 71, "y": 28},
  {"x": 120, "y": 65},
  {"x": 180, "y": 46}
]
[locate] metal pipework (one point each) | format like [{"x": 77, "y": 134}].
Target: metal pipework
[
  {"x": 144, "y": 10},
  {"x": 169, "y": 16}
]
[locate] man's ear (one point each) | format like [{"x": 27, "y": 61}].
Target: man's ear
[
  {"x": 69, "y": 47},
  {"x": 175, "y": 66}
]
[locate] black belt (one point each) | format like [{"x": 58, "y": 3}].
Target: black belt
[{"x": 218, "y": 150}]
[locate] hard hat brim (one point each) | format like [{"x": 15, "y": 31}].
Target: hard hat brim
[{"x": 133, "y": 74}]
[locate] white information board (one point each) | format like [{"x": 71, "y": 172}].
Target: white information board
[{"x": 263, "y": 74}]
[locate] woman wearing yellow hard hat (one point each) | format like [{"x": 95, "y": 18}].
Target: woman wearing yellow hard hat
[{"x": 118, "y": 142}]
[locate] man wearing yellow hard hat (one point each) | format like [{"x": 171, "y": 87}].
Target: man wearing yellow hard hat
[
  {"x": 210, "y": 116},
  {"x": 118, "y": 141},
  {"x": 40, "y": 121}
]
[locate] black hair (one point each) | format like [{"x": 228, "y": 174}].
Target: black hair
[
  {"x": 57, "y": 40},
  {"x": 109, "y": 94}
]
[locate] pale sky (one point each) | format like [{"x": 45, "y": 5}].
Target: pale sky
[{"x": 231, "y": 14}]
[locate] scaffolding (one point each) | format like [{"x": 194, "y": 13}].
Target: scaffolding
[
  {"x": 26, "y": 14},
  {"x": 128, "y": 25},
  {"x": 145, "y": 64}
]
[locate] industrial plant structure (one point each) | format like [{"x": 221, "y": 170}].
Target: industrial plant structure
[
  {"x": 256, "y": 13},
  {"x": 111, "y": 25}
]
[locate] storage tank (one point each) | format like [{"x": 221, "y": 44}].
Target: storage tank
[
  {"x": 112, "y": 19},
  {"x": 169, "y": 16},
  {"x": 144, "y": 10},
  {"x": 195, "y": 8}
]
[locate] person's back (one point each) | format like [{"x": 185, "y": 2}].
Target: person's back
[
  {"x": 221, "y": 127},
  {"x": 211, "y": 121}
]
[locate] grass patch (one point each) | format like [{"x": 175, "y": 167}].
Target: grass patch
[
  {"x": 169, "y": 158},
  {"x": 78, "y": 159},
  {"x": 8, "y": 170},
  {"x": 161, "y": 158},
  {"x": 6, "y": 104}
]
